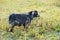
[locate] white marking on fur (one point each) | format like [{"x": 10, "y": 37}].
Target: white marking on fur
[
  {"x": 33, "y": 13},
  {"x": 17, "y": 21}
]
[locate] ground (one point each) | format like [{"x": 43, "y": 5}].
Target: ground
[{"x": 45, "y": 27}]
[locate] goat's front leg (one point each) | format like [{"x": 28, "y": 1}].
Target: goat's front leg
[{"x": 26, "y": 26}]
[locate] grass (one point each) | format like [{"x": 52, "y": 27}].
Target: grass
[{"x": 45, "y": 27}]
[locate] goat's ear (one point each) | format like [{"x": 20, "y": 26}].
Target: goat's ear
[
  {"x": 30, "y": 12},
  {"x": 36, "y": 11}
]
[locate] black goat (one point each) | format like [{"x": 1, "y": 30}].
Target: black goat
[{"x": 21, "y": 19}]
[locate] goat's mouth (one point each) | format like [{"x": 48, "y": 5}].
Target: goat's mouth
[{"x": 38, "y": 15}]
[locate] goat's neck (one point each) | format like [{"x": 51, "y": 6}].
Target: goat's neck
[{"x": 31, "y": 17}]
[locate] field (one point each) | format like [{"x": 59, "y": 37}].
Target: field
[{"x": 45, "y": 27}]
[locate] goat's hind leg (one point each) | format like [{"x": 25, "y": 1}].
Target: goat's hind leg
[{"x": 11, "y": 27}]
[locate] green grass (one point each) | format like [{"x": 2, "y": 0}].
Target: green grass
[{"x": 45, "y": 27}]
